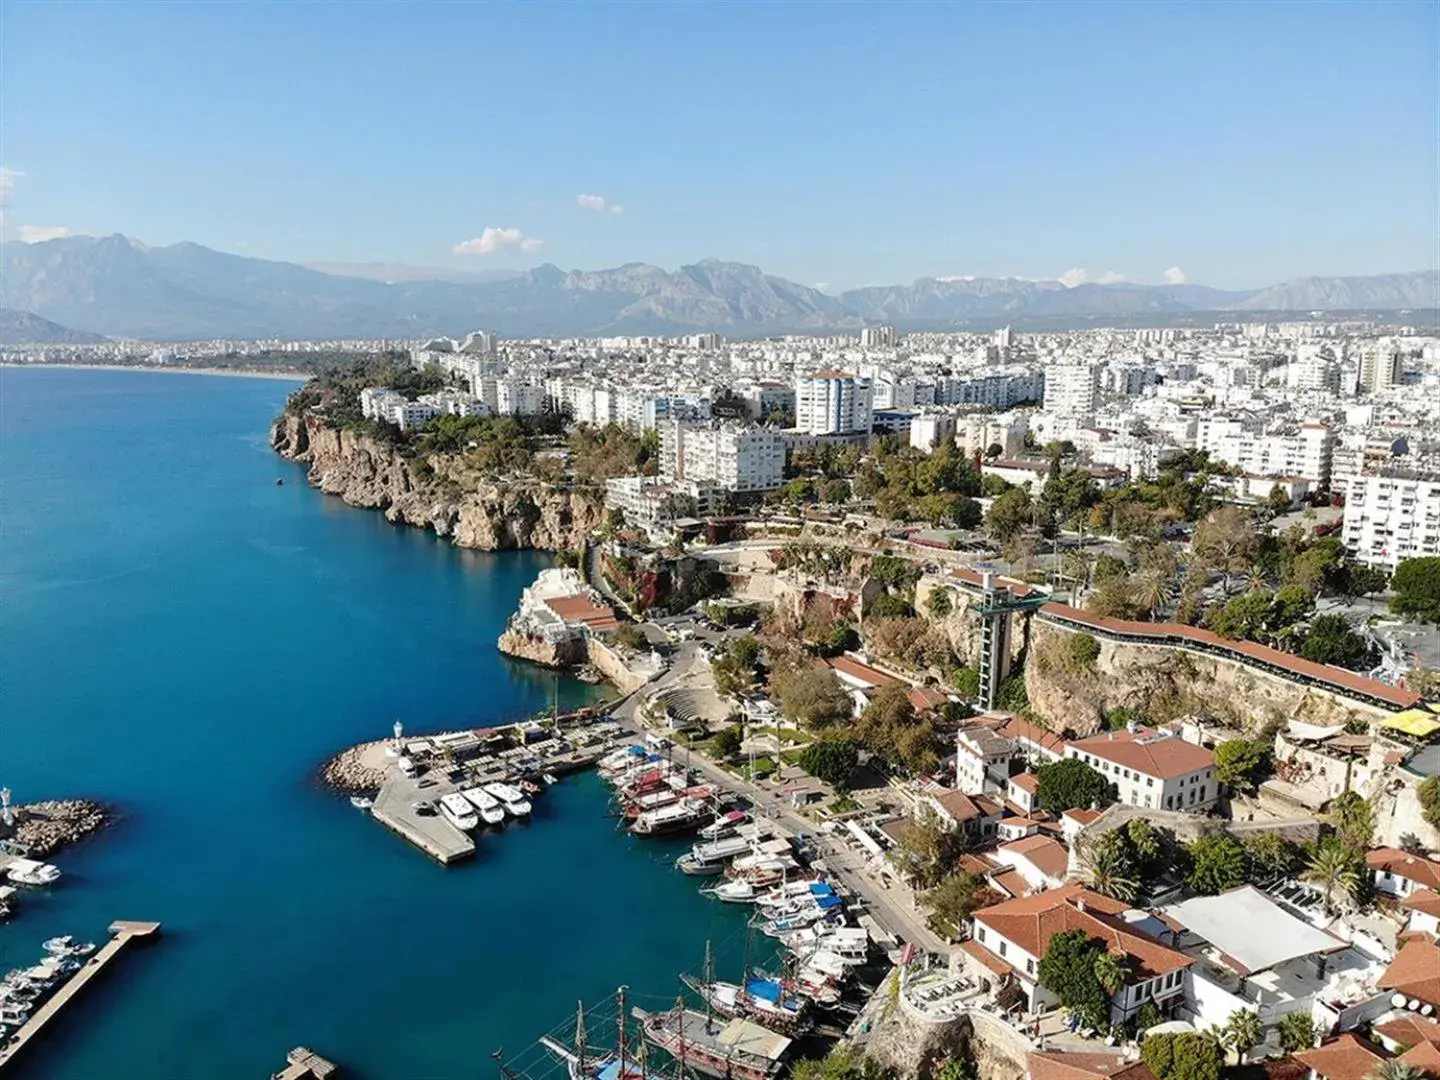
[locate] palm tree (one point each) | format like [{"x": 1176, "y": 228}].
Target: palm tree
[
  {"x": 1113, "y": 971},
  {"x": 1255, "y": 578},
  {"x": 1075, "y": 566},
  {"x": 1395, "y": 1069},
  {"x": 1107, "y": 870},
  {"x": 1333, "y": 867},
  {"x": 1242, "y": 1031},
  {"x": 1153, "y": 592}
]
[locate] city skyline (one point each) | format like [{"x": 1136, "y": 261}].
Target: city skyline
[{"x": 863, "y": 145}]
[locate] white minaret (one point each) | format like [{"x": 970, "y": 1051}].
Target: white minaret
[{"x": 399, "y": 730}]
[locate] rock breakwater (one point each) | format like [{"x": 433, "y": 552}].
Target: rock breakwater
[
  {"x": 356, "y": 770},
  {"x": 43, "y": 828}
]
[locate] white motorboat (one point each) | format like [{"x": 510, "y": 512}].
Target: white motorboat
[
  {"x": 30, "y": 872},
  {"x": 361, "y": 803},
  {"x": 731, "y": 892},
  {"x": 686, "y": 814},
  {"x": 456, "y": 809},
  {"x": 725, "y": 825},
  {"x": 511, "y": 798},
  {"x": 488, "y": 807}
]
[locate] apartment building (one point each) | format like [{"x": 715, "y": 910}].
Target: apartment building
[
  {"x": 649, "y": 502},
  {"x": 879, "y": 337},
  {"x": 728, "y": 456},
  {"x": 1152, "y": 768},
  {"x": 1379, "y": 368},
  {"x": 1307, "y": 453},
  {"x": 995, "y": 390},
  {"x": 1391, "y": 516},
  {"x": 645, "y": 410},
  {"x": 833, "y": 403},
  {"x": 929, "y": 430},
  {"x": 1071, "y": 389}
]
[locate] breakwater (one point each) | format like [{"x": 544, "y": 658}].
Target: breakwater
[{"x": 43, "y": 828}]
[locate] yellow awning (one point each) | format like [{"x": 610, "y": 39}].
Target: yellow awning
[{"x": 1417, "y": 722}]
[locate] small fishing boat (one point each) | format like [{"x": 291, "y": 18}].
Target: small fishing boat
[
  {"x": 731, "y": 892},
  {"x": 30, "y": 872},
  {"x": 360, "y": 802}
]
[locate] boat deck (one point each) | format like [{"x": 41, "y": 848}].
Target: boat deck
[{"x": 123, "y": 933}]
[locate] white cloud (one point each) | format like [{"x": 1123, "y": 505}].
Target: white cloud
[
  {"x": 956, "y": 277},
  {"x": 498, "y": 239},
  {"x": 1078, "y": 275},
  {"x": 1175, "y": 276},
  {"x": 598, "y": 203},
  {"x": 38, "y": 234},
  {"x": 8, "y": 176}
]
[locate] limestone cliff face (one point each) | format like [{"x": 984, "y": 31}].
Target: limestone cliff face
[
  {"x": 523, "y": 647},
  {"x": 1164, "y": 684},
  {"x": 439, "y": 493}
]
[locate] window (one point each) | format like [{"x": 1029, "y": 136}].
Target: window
[
  {"x": 1002, "y": 947},
  {"x": 1149, "y": 782},
  {"x": 980, "y": 933},
  {"x": 1030, "y": 967},
  {"x": 1202, "y": 794}
]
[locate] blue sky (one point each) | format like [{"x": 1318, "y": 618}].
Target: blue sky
[{"x": 844, "y": 143}]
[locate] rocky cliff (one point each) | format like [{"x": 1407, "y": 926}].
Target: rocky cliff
[
  {"x": 538, "y": 651},
  {"x": 1165, "y": 684},
  {"x": 439, "y": 493}
]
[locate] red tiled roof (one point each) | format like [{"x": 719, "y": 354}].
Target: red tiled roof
[
  {"x": 1148, "y": 752},
  {"x": 1424, "y": 1056},
  {"x": 957, "y": 805},
  {"x": 1085, "y": 1065},
  {"x": 1081, "y": 816},
  {"x": 1410, "y": 1030},
  {"x": 1032, "y": 921},
  {"x": 1424, "y": 900},
  {"x": 861, "y": 672},
  {"x": 1415, "y": 867},
  {"x": 988, "y": 959},
  {"x": 1347, "y": 1058},
  {"x": 924, "y": 698},
  {"x": 1339, "y": 678},
  {"x": 973, "y": 577},
  {"x": 1415, "y": 971},
  {"x": 1026, "y": 781},
  {"x": 1019, "y": 728},
  {"x": 1012, "y": 882},
  {"x": 1050, "y": 858},
  {"x": 582, "y": 609}
]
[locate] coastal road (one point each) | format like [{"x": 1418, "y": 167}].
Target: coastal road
[{"x": 893, "y": 907}]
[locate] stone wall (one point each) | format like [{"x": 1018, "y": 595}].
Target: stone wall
[
  {"x": 1166, "y": 683},
  {"x": 919, "y": 1048},
  {"x": 439, "y": 494},
  {"x": 610, "y": 664}
]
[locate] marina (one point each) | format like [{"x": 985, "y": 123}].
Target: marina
[{"x": 122, "y": 934}]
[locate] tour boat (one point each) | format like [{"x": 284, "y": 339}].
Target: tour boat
[
  {"x": 488, "y": 807},
  {"x": 30, "y": 872},
  {"x": 456, "y": 809},
  {"x": 731, "y": 892},
  {"x": 850, "y": 945},
  {"x": 822, "y": 989},
  {"x": 688, "y": 813},
  {"x": 761, "y": 999},
  {"x": 736, "y": 1050},
  {"x": 515, "y": 803},
  {"x": 707, "y": 860},
  {"x": 586, "y": 1062},
  {"x": 725, "y": 825}
]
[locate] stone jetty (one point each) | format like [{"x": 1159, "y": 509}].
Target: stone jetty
[{"x": 43, "y": 828}]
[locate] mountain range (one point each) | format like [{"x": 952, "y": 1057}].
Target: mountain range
[
  {"x": 119, "y": 287},
  {"x": 27, "y": 328}
]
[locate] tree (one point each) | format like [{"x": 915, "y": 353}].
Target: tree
[
  {"x": 1334, "y": 866},
  {"x": 1081, "y": 652},
  {"x": 812, "y": 696},
  {"x": 1297, "y": 1031},
  {"x": 629, "y": 636},
  {"x": 1396, "y": 1069},
  {"x": 954, "y": 900},
  {"x": 1243, "y": 763},
  {"x": 888, "y": 713},
  {"x": 1114, "y": 597},
  {"x": 1067, "y": 970},
  {"x": 1354, "y": 821},
  {"x": 1113, "y": 971},
  {"x": 1183, "y": 1056},
  {"x": 1242, "y": 1031},
  {"x": 1429, "y": 795},
  {"x": 1357, "y": 579},
  {"x": 1269, "y": 855},
  {"x": 1225, "y": 541},
  {"x": 1108, "y": 867},
  {"x": 928, "y": 847},
  {"x": 1416, "y": 587},
  {"x": 1331, "y": 641},
  {"x": 967, "y": 682},
  {"x": 832, "y": 759},
  {"x": 1217, "y": 863},
  {"x": 746, "y": 650},
  {"x": 727, "y": 742},
  {"x": 1009, "y": 514},
  {"x": 938, "y": 603},
  {"x": 1069, "y": 784},
  {"x": 966, "y": 513},
  {"x": 843, "y": 1062}
]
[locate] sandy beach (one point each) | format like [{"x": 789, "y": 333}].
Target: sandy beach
[{"x": 283, "y": 376}]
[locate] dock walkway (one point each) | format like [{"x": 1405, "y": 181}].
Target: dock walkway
[
  {"x": 394, "y": 808},
  {"x": 122, "y": 934},
  {"x": 305, "y": 1064}
]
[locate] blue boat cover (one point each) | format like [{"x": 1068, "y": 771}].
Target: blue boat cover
[
  {"x": 609, "y": 1069},
  {"x": 765, "y": 989},
  {"x": 820, "y": 888},
  {"x": 825, "y": 903}
]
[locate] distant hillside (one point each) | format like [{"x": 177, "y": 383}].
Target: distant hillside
[
  {"x": 27, "y": 328},
  {"x": 120, "y": 287}
]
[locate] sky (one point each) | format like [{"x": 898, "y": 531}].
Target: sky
[{"x": 836, "y": 144}]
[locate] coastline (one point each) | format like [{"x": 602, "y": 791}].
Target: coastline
[{"x": 239, "y": 373}]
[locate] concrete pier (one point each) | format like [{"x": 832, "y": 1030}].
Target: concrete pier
[
  {"x": 122, "y": 933},
  {"x": 432, "y": 834}
]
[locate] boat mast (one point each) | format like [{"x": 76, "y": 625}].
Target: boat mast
[
  {"x": 680, "y": 1033},
  {"x": 580, "y": 1038},
  {"x": 709, "y": 985},
  {"x": 620, "y": 1025}
]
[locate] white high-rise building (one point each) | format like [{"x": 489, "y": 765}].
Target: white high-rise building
[
  {"x": 516, "y": 398},
  {"x": 833, "y": 403},
  {"x": 879, "y": 337},
  {"x": 929, "y": 430},
  {"x": 1004, "y": 338},
  {"x": 1379, "y": 368},
  {"x": 1070, "y": 389},
  {"x": 728, "y": 456},
  {"x": 1392, "y": 516},
  {"x": 1307, "y": 453}
]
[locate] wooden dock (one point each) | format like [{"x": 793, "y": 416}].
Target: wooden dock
[
  {"x": 304, "y": 1064},
  {"x": 122, "y": 933}
]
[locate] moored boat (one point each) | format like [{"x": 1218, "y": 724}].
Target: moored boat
[
  {"x": 456, "y": 809},
  {"x": 738, "y": 1049},
  {"x": 30, "y": 872},
  {"x": 512, "y": 799},
  {"x": 689, "y": 813},
  {"x": 762, "y": 999},
  {"x": 486, "y": 805}
]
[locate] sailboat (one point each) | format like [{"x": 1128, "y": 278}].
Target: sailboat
[
  {"x": 756, "y": 997},
  {"x": 584, "y": 1062}
]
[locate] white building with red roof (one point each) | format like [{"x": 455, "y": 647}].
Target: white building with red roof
[
  {"x": 1399, "y": 873},
  {"x": 1152, "y": 768}
]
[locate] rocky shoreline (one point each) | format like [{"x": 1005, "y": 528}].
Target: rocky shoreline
[
  {"x": 43, "y": 828},
  {"x": 349, "y": 773}
]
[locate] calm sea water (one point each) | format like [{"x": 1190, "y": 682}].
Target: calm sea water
[{"x": 184, "y": 638}]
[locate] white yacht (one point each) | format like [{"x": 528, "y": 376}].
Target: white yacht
[
  {"x": 512, "y": 798},
  {"x": 30, "y": 872},
  {"x": 456, "y": 809},
  {"x": 488, "y": 807}
]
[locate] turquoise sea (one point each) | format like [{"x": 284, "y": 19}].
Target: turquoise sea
[{"x": 187, "y": 640}]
